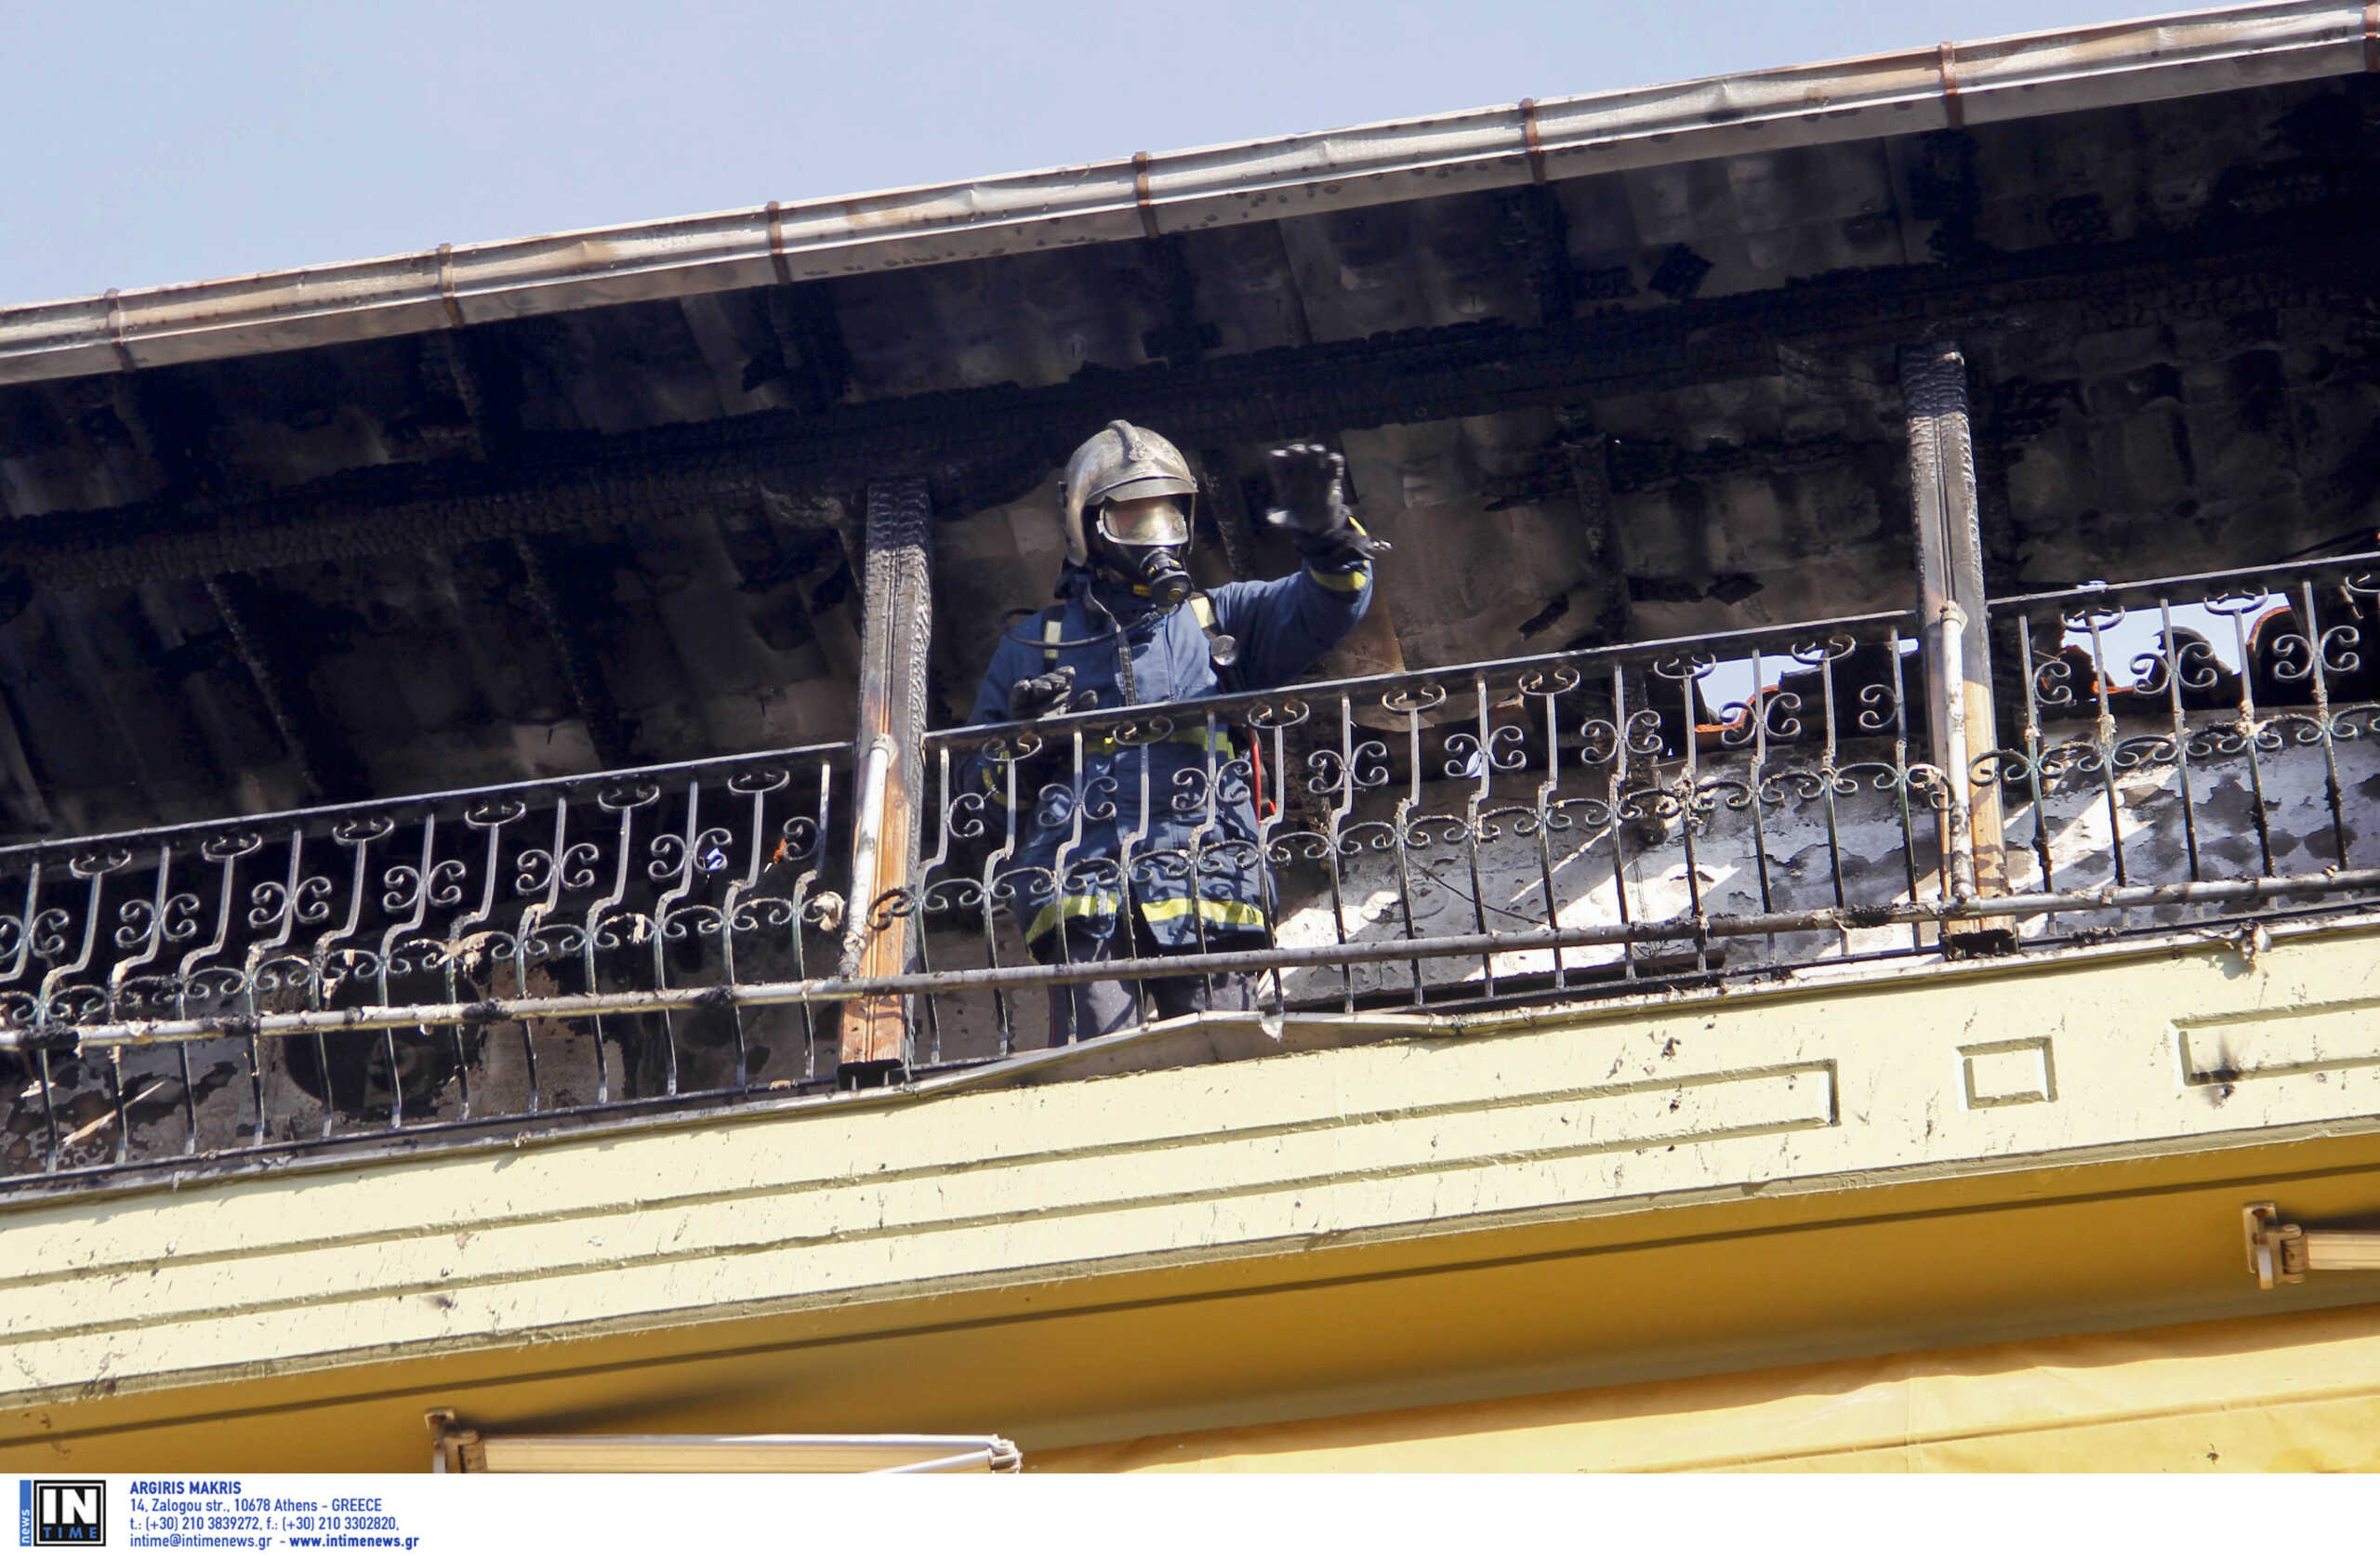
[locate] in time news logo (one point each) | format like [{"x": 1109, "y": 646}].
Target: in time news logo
[{"x": 61, "y": 1513}]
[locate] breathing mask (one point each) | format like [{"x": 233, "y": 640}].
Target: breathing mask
[{"x": 1143, "y": 540}]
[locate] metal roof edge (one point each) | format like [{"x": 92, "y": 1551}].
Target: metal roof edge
[{"x": 1148, "y": 195}]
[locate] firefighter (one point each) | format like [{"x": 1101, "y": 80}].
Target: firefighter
[{"x": 1130, "y": 629}]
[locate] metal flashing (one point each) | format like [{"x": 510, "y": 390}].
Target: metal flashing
[{"x": 1252, "y": 181}]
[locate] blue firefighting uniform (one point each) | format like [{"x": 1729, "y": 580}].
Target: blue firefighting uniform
[{"x": 1194, "y": 865}]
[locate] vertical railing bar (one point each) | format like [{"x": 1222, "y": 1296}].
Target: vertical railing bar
[
  {"x": 255, "y": 1085},
  {"x": 2253, "y": 732},
  {"x": 1758, "y": 776},
  {"x": 1333, "y": 829},
  {"x": 190, "y": 1102},
  {"x": 360, "y": 840},
  {"x": 800, "y": 902},
  {"x": 1473, "y": 822},
  {"x": 923, "y": 886},
  {"x": 1202, "y": 836},
  {"x": 1404, "y": 809},
  {"x": 1264, "y": 829},
  {"x": 731, "y": 905},
  {"x": 2317, "y": 648},
  {"x": 1060, "y": 890},
  {"x": 1129, "y": 864},
  {"x": 1546, "y": 790},
  {"x": 1831, "y": 777},
  {"x": 1690, "y": 799},
  {"x": 49, "y": 1113},
  {"x": 991, "y": 882},
  {"x": 2034, "y": 758},
  {"x": 2105, "y": 732},
  {"x": 2174, "y": 668},
  {"x": 258, "y": 953},
  {"x": 532, "y": 926},
  {"x": 228, "y": 860},
  {"x": 1900, "y": 783},
  {"x": 160, "y": 907},
  {"x": 1001, "y": 1012},
  {"x": 123, "y": 1121},
  {"x": 423, "y": 877},
  {"x": 696, "y": 842},
  {"x": 591, "y": 928},
  {"x": 492, "y": 866},
  {"x": 1615, "y": 797}
]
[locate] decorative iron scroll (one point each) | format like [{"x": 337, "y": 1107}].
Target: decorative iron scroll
[{"x": 687, "y": 877}]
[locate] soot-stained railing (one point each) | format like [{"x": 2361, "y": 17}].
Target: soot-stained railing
[
  {"x": 2181, "y": 750},
  {"x": 550, "y": 947},
  {"x": 1516, "y": 830},
  {"x": 1565, "y": 826},
  {"x": 2211, "y": 728}
]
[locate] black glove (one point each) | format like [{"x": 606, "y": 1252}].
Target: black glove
[
  {"x": 1309, "y": 486},
  {"x": 1048, "y": 695}
]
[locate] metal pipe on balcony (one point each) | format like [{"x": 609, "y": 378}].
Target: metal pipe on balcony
[
  {"x": 868, "y": 837},
  {"x": 1702, "y": 928}
]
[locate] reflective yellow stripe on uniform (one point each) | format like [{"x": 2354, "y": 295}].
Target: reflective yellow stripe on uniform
[
  {"x": 1350, "y": 581},
  {"x": 1070, "y": 908},
  {"x": 1239, "y": 915},
  {"x": 1217, "y": 741}
]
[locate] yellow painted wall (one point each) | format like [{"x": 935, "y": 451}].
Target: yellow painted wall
[
  {"x": 1497, "y": 1209},
  {"x": 2294, "y": 1392}
]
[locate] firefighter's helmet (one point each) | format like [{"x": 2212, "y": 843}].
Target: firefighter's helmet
[{"x": 1121, "y": 463}]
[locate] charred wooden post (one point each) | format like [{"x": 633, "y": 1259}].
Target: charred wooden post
[
  {"x": 607, "y": 731},
  {"x": 1228, "y": 504},
  {"x": 880, "y": 937},
  {"x": 1586, "y": 452},
  {"x": 327, "y": 765},
  {"x": 1956, "y": 627}
]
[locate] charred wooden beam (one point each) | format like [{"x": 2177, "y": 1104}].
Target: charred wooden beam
[
  {"x": 810, "y": 357},
  {"x": 1537, "y": 229},
  {"x": 882, "y": 938},
  {"x": 28, "y": 805},
  {"x": 1587, "y": 454},
  {"x": 448, "y": 374},
  {"x": 1228, "y": 505},
  {"x": 327, "y": 764},
  {"x": 981, "y": 446},
  {"x": 1184, "y": 337},
  {"x": 1954, "y": 624},
  {"x": 606, "y": 730}
]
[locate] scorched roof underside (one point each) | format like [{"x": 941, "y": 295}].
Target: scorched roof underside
[{"x": 1654, "y": 401}]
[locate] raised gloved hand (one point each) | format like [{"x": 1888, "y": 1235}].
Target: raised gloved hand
[
  {"x": 1048, "y": 695},
  {"x": 1309, "y": 484}
]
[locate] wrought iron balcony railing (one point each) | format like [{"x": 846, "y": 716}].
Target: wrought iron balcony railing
[{"x": 1764, "y": 803}]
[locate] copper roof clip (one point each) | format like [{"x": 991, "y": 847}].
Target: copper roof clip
[
  {"x": 1141, "y": 194},
  {"x": 1947, "y": 62},
  {"x": 116, "y": 331},
  {"x": 1534, "y": 145},
  {"x": 777, "y": 243},
  {"x": 446, "y": 285}
]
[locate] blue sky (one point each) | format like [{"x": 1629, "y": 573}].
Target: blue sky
[{"x": 152, "y": 142}]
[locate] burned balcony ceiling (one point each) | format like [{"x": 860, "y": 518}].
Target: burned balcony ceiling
[{"x": 1638, "y": 404}]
